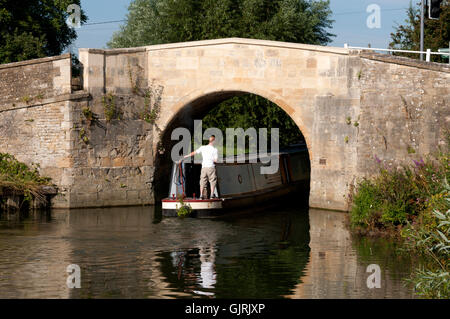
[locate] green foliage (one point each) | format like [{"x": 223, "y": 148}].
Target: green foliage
[
  {"x": 26, "y": 99},
  {"x": 17, "y": 176},
  {"x": 133, "y": 82},
  {"x": 437, "y": 32},
  {"x": 34, "y": 28},
  {"x": 253, "y": 111},
  {"x": 109, "y": 107},
  {"x": 83, "y": 136},
  {"x": 396, "y": 197},
  {"x": 433, "y": 241},
  {"x": 366, "y": 204},
  {"x": 88, "y": 114},
  {"x": 12, "y": 170},
  {"x": 432, "y": 284},
  {"x": 75, "y": 66},
  {"x": 152, "y": 103},
  {"x": 411, "y": 150},
  {"x": 168, "y": 21},
  {"x": 183, "y": 210},
  {"x": 411, "y": 200},
  {"x": 151, "y": 116}
]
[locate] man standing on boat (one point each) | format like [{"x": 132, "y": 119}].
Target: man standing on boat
[{"x": 209, "y": 156}]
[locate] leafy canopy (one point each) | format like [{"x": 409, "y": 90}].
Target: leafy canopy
[
  {"x": 168, "y": 21},
  {"x": 34, "y": 28},
  {"x": 436, "y": 32}
]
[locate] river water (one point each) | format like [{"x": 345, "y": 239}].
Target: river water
[{"x": 135, "y": 253}]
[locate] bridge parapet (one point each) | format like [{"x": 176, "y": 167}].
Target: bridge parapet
[{"x": 25, "y": 82}]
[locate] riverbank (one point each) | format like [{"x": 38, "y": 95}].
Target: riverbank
[
  {"x": 21, "y": 186},
  {"x": 411, "y": 204}
]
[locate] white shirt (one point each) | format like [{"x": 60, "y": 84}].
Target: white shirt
[{"x": 209, "y": 155}]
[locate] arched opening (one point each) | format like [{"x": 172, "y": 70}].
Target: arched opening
[{"x": 208, "y": 107}]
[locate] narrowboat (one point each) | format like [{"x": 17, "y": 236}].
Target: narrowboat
[{"x": 240, "y": 183}]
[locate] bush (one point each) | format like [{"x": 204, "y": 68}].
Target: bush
[
  {"x": 412, "y": 200},
  {"x": 184, "y": 210},
  {"x": 366, "y": 204},
  {"x": 432, "y": 239},
  {"x": 17, "y": 176},
  {"x": 395, "y": 197}
]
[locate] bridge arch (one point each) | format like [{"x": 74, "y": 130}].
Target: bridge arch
[
  {"x": 195, "y": 106},
  {"x": 316, "y": 86},
  {"x": 201, "y": 101}
]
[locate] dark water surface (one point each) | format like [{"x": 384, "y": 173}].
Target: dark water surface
[{"x": 134, "y": 253}]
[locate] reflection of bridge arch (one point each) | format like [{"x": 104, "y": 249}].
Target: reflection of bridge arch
[{"x": 245, "y": 253}]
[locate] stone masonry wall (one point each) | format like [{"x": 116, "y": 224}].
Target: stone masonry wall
[
  {"x": 113, "y": 159},
  {"x": 404, "y": 112},
  {"x": 32, "y": 81},
  {"x": 94, "y": 162},
  {"x": 35, "y": 116}
]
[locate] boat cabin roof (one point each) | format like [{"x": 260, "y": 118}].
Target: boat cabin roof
[{"x": 245, "y": 158}]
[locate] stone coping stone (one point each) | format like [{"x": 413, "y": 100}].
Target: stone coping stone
[
  {"x": 405, "y": 61},
  {"x": 35, "y": 61}
]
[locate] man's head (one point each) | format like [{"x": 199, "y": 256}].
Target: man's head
[{"x": 212, "y": 139}]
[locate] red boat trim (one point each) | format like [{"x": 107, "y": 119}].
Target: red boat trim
[{"x": 191, "y": 200}]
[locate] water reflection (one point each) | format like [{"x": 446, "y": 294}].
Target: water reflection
[
  {"x": 133, "y": 253},
  {"x": 252, "y": 256},
  {"x": 337, "y": 266}
]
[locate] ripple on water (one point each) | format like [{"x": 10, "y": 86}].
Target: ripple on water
[{"x": 127, "y": 253}]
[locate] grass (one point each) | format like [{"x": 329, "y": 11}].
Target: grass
[
  {"x": 109, "y": 106},
  {"x": 17, "y": 177}
]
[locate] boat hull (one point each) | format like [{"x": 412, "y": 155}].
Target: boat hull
[
  {"x": 208, "y": 207},
  {"x": 244, "y": 203},
  {"x": 242, "y": 185}
]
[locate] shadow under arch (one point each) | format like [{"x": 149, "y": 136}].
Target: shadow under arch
[{"x": 195, "y": 106}]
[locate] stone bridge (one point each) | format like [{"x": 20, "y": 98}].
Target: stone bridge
[{"x": 106, "y": 142}]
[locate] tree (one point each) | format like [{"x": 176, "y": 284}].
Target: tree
[
  {"x": 253, "y": 111},
  {"x": 34, "y": 28},
  {"x": 436, "y": 32},
  {"x": 168, "y": 21}
]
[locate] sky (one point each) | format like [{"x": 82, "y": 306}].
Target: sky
[{"x": 350, "y": 24}]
